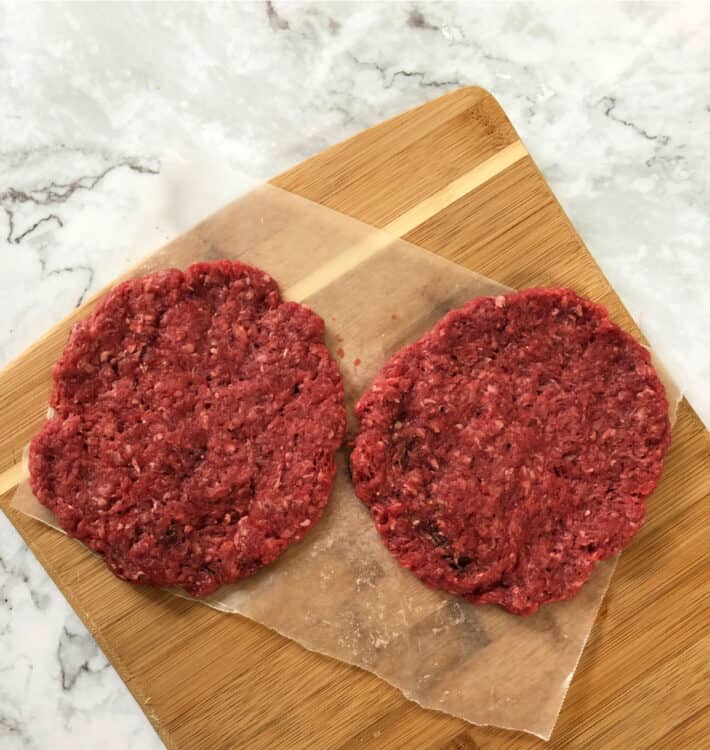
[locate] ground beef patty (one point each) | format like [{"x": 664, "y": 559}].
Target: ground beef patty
[
  {"x": 197, "y": 416},
  {"x": 512, "y": 447}
]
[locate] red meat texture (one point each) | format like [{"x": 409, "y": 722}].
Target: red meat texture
[
  {"x": 511, "y": 448},
  {"x": 196, "y": 420}
]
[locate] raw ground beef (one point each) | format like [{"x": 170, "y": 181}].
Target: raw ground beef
[
  {"x": 512, "y": 447},
  {"x": 197, "y": 417}
]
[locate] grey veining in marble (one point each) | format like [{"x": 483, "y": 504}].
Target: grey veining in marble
[{"x": 612, "y": 101}]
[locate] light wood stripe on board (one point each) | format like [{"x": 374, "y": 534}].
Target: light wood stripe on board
[{"x": 408, "y": 221}]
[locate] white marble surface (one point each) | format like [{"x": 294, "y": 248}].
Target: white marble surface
[{"x": 613, "y": 102}]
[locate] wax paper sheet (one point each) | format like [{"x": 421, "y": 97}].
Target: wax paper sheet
[{"x": 338, "y": 591}]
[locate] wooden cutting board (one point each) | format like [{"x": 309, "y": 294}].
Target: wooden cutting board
[{"x": 453, "y": 177}]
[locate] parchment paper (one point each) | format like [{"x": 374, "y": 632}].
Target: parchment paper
[{"x": 339, "y": 592}]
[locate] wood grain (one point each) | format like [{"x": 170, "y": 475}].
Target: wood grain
[{"x": 451, "y": 176}]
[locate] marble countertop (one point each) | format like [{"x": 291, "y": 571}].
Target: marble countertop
[{"x": 612, "y": 102}]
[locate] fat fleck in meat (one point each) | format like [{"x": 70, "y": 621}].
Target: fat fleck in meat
[
  {"x": 196, "y": 420},
  {"x": 510, "y": 449}
]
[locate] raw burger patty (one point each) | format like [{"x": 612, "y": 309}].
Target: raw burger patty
[
  {"x": 197, "y": 416},
  {"x": 512, "y": 447}
]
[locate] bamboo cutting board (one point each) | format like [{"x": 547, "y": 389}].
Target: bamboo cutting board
[{"x": 453, "y": 177}]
